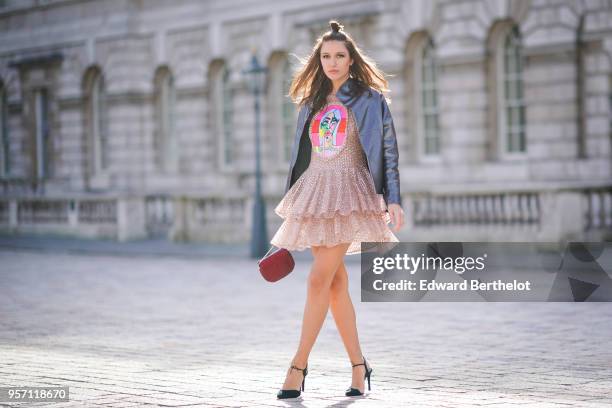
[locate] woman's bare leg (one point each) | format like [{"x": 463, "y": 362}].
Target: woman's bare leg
[
  {"x": 324, "y": 266},
  {"x": 344, "y": 315}
]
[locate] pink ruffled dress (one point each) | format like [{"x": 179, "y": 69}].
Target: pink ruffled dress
[{"x": 334, "y": 201}]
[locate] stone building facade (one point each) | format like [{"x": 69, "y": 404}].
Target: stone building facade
[{"x": 125, "y": 118}]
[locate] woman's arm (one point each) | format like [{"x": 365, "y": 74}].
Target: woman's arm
[
  {"x": 390, "y": 166},
  {"x": 390, "y": 156}
]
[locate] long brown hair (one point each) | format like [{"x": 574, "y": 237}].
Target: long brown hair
[{"x": 310, "y": 85}]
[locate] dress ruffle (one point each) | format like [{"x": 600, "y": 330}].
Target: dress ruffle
[
  {"x": 323, "y": 194},
  {"x": 326, "y": 209},
  {"x": 299, "y": 234}
]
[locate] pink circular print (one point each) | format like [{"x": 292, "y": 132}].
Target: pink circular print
[{"x": 328, "y": 130}]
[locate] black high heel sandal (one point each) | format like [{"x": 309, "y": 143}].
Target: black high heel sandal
[
  {"x": 282, "y": 394},
  {"x": 352, "y": 392}
]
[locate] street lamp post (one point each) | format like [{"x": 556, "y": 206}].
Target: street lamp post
[{"x": 256, "y": 75}]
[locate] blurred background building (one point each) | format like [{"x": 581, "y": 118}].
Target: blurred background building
[{"x": 129, "y": 119}]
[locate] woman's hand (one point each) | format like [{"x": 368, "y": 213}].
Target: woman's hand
[{"x": 397, "y": 216}]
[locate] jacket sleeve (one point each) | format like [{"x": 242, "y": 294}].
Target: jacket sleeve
[
  {"x": 390, "y": 157},
  {"x": 295, "y": 148}
]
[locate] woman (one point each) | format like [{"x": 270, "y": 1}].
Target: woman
[{"x": 342, "y": 181}]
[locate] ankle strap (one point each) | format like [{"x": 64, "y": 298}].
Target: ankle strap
[
  {"x": 301, "y": 369},
  {"x": 363, "y": 364}
]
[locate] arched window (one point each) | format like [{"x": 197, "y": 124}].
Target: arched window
[
  {"x": 288, "y": 111},
  {"x": 5, "y": 167},
  {"x": 424, "y": 141},
  {"x": 165, "y": 138},
  {"x": 221, "y": 108},
  {"x": 227, "y": 105},
  {"x": 511, "y": 105},
  {"x": 97, "y": 120},
  {"x": 426, "y": 85}
]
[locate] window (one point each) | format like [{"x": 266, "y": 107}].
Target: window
[
  {"x": 165, "y": 140},
  {"x": 288, "y": 112},
  {"x": 5, "y": 156},
  {"x": 429, "y": 127},
  {"x": 99, "y": 123},
  {"x": 227, "y": 118},
  {"x": 42, "y": 134},
  {"x": 511, "y": 109}
]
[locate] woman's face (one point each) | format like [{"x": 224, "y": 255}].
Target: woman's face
[{"x": 335, "y": 59}]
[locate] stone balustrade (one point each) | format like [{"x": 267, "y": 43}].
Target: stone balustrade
[{"x": 583, "y": 213}]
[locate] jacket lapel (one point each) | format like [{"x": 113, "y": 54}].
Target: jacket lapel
[{"x": 358, "y": 105}]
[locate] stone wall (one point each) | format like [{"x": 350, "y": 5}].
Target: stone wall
[{"x": 567, "y": 48}]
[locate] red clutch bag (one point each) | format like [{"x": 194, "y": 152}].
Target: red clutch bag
[{"x": 276, "y": 265}]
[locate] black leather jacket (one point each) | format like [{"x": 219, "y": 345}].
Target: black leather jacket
[{"x": 376, "y": 133}]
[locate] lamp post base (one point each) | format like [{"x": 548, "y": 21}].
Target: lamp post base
[{"x": 259, "y": 233}]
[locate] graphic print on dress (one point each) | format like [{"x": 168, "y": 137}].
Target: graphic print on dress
[{"x": 328, "y": 130}]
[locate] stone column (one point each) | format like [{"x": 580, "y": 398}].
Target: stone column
[
  {"x": 562, "y": 216},
  {"x": 131, "y": 218},
  {"x": 179, "y": 230}
]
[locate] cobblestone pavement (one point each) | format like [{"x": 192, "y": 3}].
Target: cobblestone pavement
[{"x": 169, "y": 331}]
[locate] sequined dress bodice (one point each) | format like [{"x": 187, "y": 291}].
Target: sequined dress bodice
[{"x": 334, "y": 138}]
